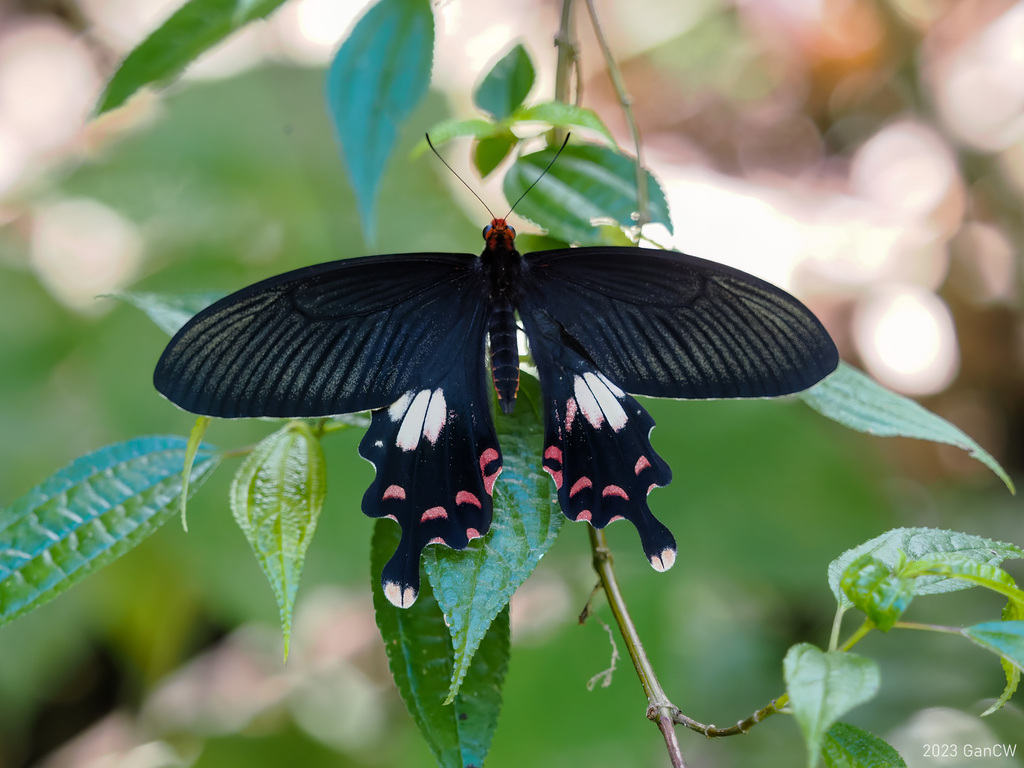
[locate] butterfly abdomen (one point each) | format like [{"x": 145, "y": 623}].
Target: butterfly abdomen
[{"x": 504, "y": 355}]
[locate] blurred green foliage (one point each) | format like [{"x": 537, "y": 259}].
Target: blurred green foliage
[{"x": 238, "y": 180}]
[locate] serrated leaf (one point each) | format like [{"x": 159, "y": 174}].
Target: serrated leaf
[
  {"x": 587, "y": 185},
  {"x": 822, "y": 687},
  {"x": 503, "y": 88},
  {"x": 194, "y": 28},
  {"x": 489, "y": 152},
  {"x": 872, "y": 587},
  {"x": 1005, "y": 638},
  {"x": 88, "y": 514},
  {"x": 858, "y": 402},
  {"x": 276, "y": 498},
  {"x": 562, "y": 115},
  {"x": 846, "y": 746},
  {"x": 376, "y": 79},
  {"x": 474, "y": 585},
  {"x": 892, "y": 547},
  {"x": 167, "y": 311},
  {"x": 421, "y": 659}
]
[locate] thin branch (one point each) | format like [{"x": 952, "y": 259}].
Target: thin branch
[
  {"x": 659, "y": 708},
  {"x": 713, "y": 731},
  {"x": 626, "y": 101},
  {"x": 567, "y": 52}
]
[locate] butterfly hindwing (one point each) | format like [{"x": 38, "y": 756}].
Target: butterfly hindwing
[
  {"x": 327, "y": 339},
  {"x": 666, "y": 324},
  {"x": 436, "y": 455},
  {"x": 596, "y": 443}
]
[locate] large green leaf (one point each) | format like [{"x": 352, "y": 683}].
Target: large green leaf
[
  {"x": 475, "y": 584},
  {"x": 846, "y": 746},
  {"x": 378, "y": 76},
  {"x": 88, "y": 514},
  {"x": 562, "y": 115},
  {"x": 856, "y": 401},
  {"x": 503, "y": 88},
  {"x": 587, "y": 184},
  {"x": 822, "y": 687},
  {"x": 276, "y": 498},
  {"x": 192, "y": 29},
  {"x": 421, "y": 659},
  {"x": 909, "y": 544}
]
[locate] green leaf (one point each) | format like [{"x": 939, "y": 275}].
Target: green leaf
[
  {"x": 475, "y": 584},
  {"x": 873, "y": 588},
  {"x": 585, "y": 185},
  {"x": 89, "y": 514},
  {"x": 169, "y": 312},
  {"x": 421, "y": 659},
  {"x": 901, "y": 544},
  {"x": 856, "y": 401},
  {"x": 822, "y": 687},
  {"x": 1005, "y": 638},
  {"x": 447, "y": 130},
  {"x": 489, "y": 152},
  {"x": 377, "y": 78},
  {"x": 276, "y": 498},
  {"x": 562, "y": 115},
  {"x": 506, "y": 85},
  {"x": 846, "y": 746},
  {"x": 192, "y": 29},
  {"x": 195, "y": 439}
]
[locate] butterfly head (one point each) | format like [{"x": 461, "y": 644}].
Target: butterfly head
[{"x": 499, "y": 235}]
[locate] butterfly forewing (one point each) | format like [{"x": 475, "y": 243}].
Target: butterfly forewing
[
  {"x": 666, "y": 324},
  {"x": 332, "y": 338}
]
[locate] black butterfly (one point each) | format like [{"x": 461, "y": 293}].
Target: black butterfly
[{"x": 406, "y": 335}]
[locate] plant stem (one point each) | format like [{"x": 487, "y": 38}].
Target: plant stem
[
  {"x": 659, "y": 708},
  {"x": 927, "y": 627},
  {"x": 857, "y": 636},
  {"x": 712, "y": 731},
  {"x": 566, "y": 45},
  {"x": 626, "y": 102}
]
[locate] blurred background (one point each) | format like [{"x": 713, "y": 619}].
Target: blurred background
[{"x": 867, "y": 155}]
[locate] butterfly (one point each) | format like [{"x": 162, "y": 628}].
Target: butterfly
[{"x": 420, "y": 339}]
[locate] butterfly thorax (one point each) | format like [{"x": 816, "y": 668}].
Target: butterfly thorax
[{"x": 503, "y": 268}]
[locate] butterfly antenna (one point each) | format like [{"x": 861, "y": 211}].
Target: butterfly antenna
[
  {"x": 542, "y": 175},
  {"x": 456, "y": 175}
]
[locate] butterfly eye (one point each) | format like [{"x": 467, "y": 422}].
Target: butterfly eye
[
  {"x": 511, "y": 231},
  {"x": 487, "y": 230}
]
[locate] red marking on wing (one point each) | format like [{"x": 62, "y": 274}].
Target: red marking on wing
[
  {"x": 472, "y": 533},
  {"x": 641, "y": 464},
  {"x": 465, "y": 497},
  {"x": 394, "y": 492},
  {"x": 436, "y": 540},
  {"x": 614, "y": 518},
  {"x": 614, "y": 490},
  {"x": 434, "y": 513},
  {"x": 579, "y": 485},
  {"x": 570, "y": 413},
  {"x": 553, "y": 452},
  {"x": 556, "y": 475},
  {"x": 584, "y": 516}
]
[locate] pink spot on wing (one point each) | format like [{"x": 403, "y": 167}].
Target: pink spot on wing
[
  {"x": 570, "y": 413},
  {"x": 487, "y": 457},
  {"x": 556, "y": 475},
  {"x": 615, "y": 519},
  {"x": 652, "y": 487},
  {"x": 391, "y": 517},
  {"x": 579, "y": 485},
  {"x": 436, "y": 540},
  {"x": 394, "y": 492},
  {"x": 473, "y": 533},
  {"x": 665, "y": 561},
  {"x": 614, "y": 490},
  {"x": 584, "y": 516},
  {"x": 641, "y": 464},
  {"x": 398, "y": 597},
  {"x": 465, "y": 497},
  {"x": 434, "y": 513},
  {"x": 553, "y": 452},
  {"x": 489, "y": 481}
]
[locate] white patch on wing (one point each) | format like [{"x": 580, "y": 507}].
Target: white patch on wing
[
  {"x": 398, "y": 408},
  {"x": 398, "y": 597},
  {"x": 437, "y": 414},
  {"x": 412, "y": 425},
  {"x": 599, "y": 400},
  {"x": 588, "y": 403}
]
